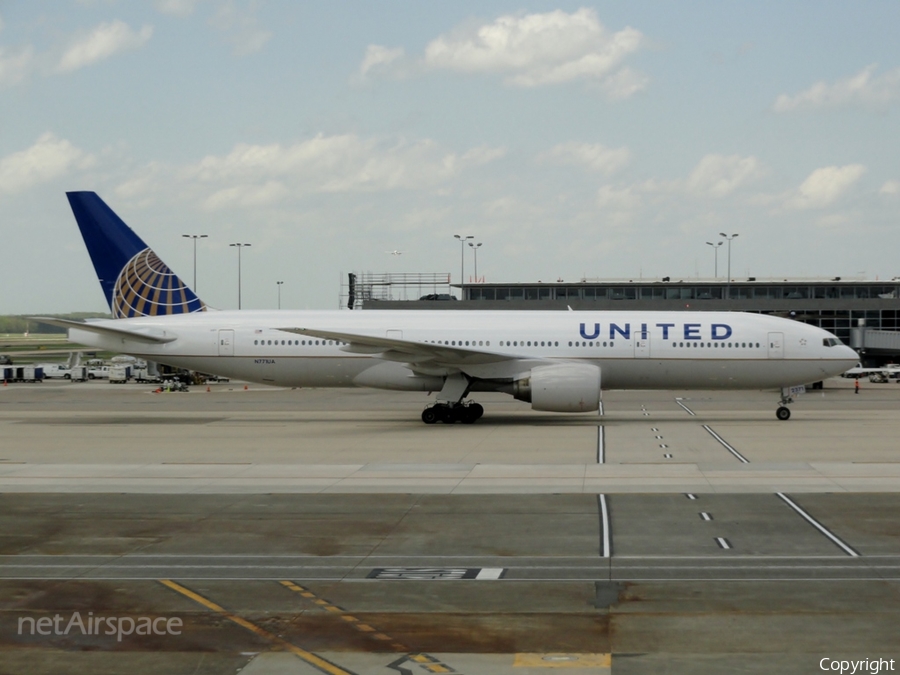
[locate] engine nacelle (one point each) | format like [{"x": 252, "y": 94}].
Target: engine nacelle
[{"x": 563, "y": 387}]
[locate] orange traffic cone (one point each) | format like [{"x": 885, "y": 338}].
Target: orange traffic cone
[
  {"x": 207, "y": 389},
  {"x": 246, "y": 387}
]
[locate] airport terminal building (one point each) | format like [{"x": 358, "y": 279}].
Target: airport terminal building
[{"x": 863, "y": 314}]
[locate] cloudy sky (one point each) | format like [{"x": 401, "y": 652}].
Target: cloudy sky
[{"x": 572, "y": 139}]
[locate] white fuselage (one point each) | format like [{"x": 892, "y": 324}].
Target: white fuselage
[{"x": 634, "y": 350}]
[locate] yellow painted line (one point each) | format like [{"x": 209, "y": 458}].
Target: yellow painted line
[
  {"x": 422, "y": 658},
  {"x": 438, "y": 668},
  {"x": 563, "y": 661},
  {"x": 340, "y": 611},
  {"x": 309, "y": 657}
]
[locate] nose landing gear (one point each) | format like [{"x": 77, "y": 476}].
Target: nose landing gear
[{"x": 783, "y": 412}]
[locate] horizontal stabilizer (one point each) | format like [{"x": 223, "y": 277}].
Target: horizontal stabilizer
[{"x": 148, "y": 337}]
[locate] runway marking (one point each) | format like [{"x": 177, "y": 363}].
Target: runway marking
[
  {"x": 425, "y": 661},
  {"x": 605, "y": 533},
  {"x": 689, "y": 411},
  {"x": 849, "y": 550},
  {"x": 705, "y": 516},
  {"x": 600, "y": 409},
  {"x": 690, "y": 496},
  {"x": 312, "y": 659},
  {"x": 349, "y": 618},
  {"x": 601, "y": 444},
  {"x": 723, "y": 543},
  {"x": 725, "y": 444},
  {"x": 667, "y": 455}
]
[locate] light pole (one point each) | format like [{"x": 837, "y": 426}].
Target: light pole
[
  {"x": 195, "y": 237},
  {"x": 475, "y": 253},
  {"x": 716, "y": 250},
  {"x": 462, "y": 262},
  {"x": 722, "y": 234},
  {"x": 239, "y": 246},
  {"x": 279, "y": 292}
]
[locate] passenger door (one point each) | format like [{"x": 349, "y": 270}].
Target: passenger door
[
  {"x": 776, "y": 345},
  {"x": 226, "y": 343}
]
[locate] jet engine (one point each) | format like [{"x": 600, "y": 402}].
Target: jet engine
[{"x": 563, "y": 387}]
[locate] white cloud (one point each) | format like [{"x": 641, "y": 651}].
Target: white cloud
[
  {"x": 240, "y": 27},
  {"x": 824, "y": 186},
  {"x": 247, "y": 195},
  {"x": 263, "y": 174},
  {"x": 15, "y": 65},
  {"x": 532, "y": 50},
  {"x": 379, "y": 57},
  {"x": 619, "y": 200},
  {"x": 180, "y": 8},
  {"x": 865, "y": 88},
  {"x": 720, "y": 175},
  {"x": 891, "y": 187},
  {"x": 49, "y": 158},
  {"x": 595, "y": 157},
  {"x": 102, "y": 42}
]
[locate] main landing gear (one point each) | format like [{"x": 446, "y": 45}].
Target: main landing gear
[{"x": 466, "y": 413}]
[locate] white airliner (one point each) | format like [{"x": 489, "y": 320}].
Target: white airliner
[{"x": 558, "y": 361}]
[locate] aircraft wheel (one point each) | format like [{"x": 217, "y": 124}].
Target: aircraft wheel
[
  {"x": 478, "y": 409},
  {"x": 429, "y": 416},
  {"x": 468, "y": 415},
  {"x": 449, "y": 415},
  {"x": 783, "y": 413}
]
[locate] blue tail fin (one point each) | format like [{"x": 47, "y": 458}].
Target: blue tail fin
[{"x": 135, "y": 281}]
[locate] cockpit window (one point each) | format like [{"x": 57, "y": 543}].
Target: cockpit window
[{"x": 831, "y": 342}]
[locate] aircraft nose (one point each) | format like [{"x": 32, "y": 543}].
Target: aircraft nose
[{"x": 849, "y": 353}]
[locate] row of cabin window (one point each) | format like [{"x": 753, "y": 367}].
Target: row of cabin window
[
  {"x": 304, "y": 343},
  {"x": 461, "y": 343},
  {"x": 529, "y": 343}
]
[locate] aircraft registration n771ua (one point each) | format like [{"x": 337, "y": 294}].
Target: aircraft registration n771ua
[{"x": 558, "y": 361}]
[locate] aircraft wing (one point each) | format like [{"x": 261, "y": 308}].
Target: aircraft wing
[
  {"x": 868, "y": 371},
  {"x": 428, "y": 357},
  {"x": 154, "y": 337}
]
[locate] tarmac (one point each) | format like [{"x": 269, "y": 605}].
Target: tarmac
[{"x": 310, "y": 531}]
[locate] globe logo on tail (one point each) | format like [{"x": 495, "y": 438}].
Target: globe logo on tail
[{"x": 147, "y": 287}]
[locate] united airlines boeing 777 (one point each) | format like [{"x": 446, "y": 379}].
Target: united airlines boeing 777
[{"x": 557, "y": 361}]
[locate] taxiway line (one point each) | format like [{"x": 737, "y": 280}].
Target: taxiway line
[
  {"x": 688, "y": 410},
  {"x": 315, "y": 661},
  {"x": 726, "y": 445},
  {"x": 840, "y": 543}
]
